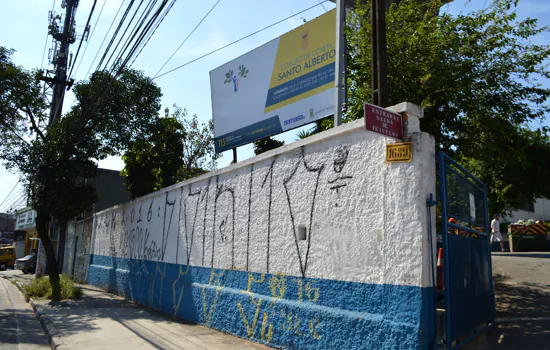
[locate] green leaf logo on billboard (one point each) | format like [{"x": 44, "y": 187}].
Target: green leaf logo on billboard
[{"x": 231, "y": 77}]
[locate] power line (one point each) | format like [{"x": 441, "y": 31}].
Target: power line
[
  {"x": 14, "y": 196},
  {"x": 140, "y": 42},
  {"x": 143, "y": 15},
  {"x": 153, "y": 32},
  {"x": 120, "y": 23},
  {"x": 105, "y": 38},
  {"x": 89, "y": 37},
  {"x": 17, "y": 199},
  {"x": 323, "y": 6},
  {"x": 17, "y": 205},
  {"x": 120, "y": 62},
  {"x": 17, "y": 183},
  {"x": 46, "y": 43},
  {"x": 86, "y": 28},
  {"x": 188, "y": 36},
  {"x": 238, "y": 40}
]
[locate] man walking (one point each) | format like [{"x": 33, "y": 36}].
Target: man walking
[{"x": 495, "y": 232}]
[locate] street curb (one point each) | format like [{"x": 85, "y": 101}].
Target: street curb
[{"x": 55, "y": 342}]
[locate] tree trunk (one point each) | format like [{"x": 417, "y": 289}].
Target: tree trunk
[{"x": 42, "y": 221}]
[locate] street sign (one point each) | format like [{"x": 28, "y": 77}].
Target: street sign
[
  {"x": 383, "y": 121},
  {"x": 399, "y": 152}
]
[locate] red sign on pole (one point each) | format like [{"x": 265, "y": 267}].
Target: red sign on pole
[{"x": 383, "y": 121}]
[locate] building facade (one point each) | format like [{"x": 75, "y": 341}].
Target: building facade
[{"x": 540, "y": 210}]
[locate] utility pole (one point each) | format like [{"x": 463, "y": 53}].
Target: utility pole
[
  {"x": 379, "y": 66},
  {"x": 65, "y": 36},
  {"x": 339, "y": 62}
]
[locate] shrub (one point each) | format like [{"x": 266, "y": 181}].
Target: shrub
[{"x": 41, "y": 288}]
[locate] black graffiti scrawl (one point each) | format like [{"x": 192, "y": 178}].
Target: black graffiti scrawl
[
  {"x": 339, "y": 181},
  {"x": 192, "y": 199},
  {"x": 167, "y": 223},
  {"x": 293, "y": 210},
  {"x": 225, "y": 196}
]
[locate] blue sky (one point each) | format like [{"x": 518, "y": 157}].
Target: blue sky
[{"x": 24, "y": 28}]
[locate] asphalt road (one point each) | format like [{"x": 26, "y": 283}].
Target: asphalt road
[
  {"x": 522, "y": 298},
  {"x": 19, "y": 329}
]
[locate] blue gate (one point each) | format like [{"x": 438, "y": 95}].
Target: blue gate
[{"x": 469, "y": 297}]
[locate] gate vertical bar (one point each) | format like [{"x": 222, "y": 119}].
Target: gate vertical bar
[
  {"x": 488, "y": 230},
  {"x": 445, "y": 234}
]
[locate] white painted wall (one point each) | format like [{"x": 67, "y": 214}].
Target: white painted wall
[
  {"x": 542, "y": 211},
  {"x": 366, "y": 220},
  {"x": 76, "y": 261}
]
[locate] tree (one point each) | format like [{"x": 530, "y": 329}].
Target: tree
[
  {"x": 56, "y": 161},
  {"x": 478, "y": 78},
  {"x": 266, "y": 144},
  {"x": 320, "y": 126},
  {"x": 172, "y": 149}
]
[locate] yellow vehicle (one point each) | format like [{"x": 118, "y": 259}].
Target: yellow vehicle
[{"x": 7, "y": 256}]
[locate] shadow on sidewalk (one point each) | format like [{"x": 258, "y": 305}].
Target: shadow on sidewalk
[
  {"x": 11, "y": 320},
  {"x": 158, "y": 329},
  {"x": 523, "y": 318},
  {"x": 96, "y": 304},
  {"x": 100, "y": 315}
]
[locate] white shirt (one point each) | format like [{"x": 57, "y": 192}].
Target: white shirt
[{"x": 495, "y": 225}]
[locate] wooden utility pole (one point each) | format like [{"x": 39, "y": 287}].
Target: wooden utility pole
[
  {"x": 379, "y": 65},
  {"x": 339, "y": 62}
]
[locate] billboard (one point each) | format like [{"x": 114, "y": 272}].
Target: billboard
[{"x": 281, "y": 85}]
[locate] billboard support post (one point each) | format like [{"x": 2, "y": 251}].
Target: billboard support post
[
  {"x": 234, "y": 155},
  {"x": 339, "y": 66},
  {"x": 379, "y": 65}
]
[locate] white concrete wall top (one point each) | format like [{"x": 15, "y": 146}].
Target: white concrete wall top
[{"x": 362, "y": 219}]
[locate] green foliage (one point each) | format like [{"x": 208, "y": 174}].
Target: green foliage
[
  {"x": 171, "y": 149},
  {"x": 320, "y": 125},
  {"x": 266, "y": 144},
  {"x": 302, "y": 134},
  {"x": 41, "y": 288},
  {"x": 22, "y": 107},
  {"x": 99, "y": 125},
  {"x": 478, "y": 78},
  {"x": 55, "y": 161}
]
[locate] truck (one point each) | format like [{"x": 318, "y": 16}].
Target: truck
[{"x": 7, "y": 256}]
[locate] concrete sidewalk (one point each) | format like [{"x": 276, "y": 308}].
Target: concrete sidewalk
[
  {"x": 19, "y": 329},
  {"x": 105, "y": 321}
]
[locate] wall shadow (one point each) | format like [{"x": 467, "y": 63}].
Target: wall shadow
[{"x": 522, "y": 316}]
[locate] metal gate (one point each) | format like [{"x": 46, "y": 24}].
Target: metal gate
[{"x": 469, "y": 297}]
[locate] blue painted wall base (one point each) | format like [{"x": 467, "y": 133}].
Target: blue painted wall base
[{"x": 277, "y": 310}]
